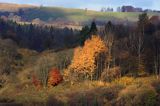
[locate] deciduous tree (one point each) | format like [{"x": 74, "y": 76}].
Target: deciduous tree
[{"x": 84, "y": 60}]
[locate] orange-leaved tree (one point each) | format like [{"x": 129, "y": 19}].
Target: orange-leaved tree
[
  {"x": 54, "y": 77},
  {"x": 84, "y": 59}
]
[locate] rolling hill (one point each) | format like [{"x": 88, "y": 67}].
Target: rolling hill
[
  {"x": 7, "y": 7},
  {"x": 59, "y": 16},
  {"x": 55, "y": 13}
]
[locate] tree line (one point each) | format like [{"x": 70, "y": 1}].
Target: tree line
[
  {"x": 135, "y": 49},
  {"x": 38, "y": 37}
]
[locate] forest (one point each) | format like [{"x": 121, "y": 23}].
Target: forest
[{"x": 109, "y": 65}]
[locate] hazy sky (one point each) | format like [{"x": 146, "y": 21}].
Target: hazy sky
[{"x": 91, "y": 4}]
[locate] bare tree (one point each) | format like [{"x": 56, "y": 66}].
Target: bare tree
[
  {"x": 8, "y": 52},
  {"x": 109, "y": 41},
  {"x": 44, "y": 64},
  {"x": 156, "y": 48},
  {"x": 136, "y": 47}
]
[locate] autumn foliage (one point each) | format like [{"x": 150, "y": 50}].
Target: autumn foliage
[
  {"x": 84, "y": 60},
  {"x": 54, "y": 77},
  {"x": 36, "y": 82}
]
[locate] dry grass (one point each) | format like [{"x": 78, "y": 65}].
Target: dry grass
[
  {"x": 95, "y": 92},
  {"x": 13, "y": 7},
  {"x": 135, "y": 95},
  {"x": 124, "y": 81}
]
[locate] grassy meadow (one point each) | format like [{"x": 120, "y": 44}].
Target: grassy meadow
[{"x": 79, "y": 15}]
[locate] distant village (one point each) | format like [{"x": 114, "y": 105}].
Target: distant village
[{"x": 127, "y": 9}]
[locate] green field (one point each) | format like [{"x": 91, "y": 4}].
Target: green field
[{"x": 79, "y": 15}]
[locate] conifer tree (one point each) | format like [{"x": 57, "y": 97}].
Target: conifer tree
[{"x": 93, "y": 29}]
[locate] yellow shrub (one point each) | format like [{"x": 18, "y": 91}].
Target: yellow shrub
[
  {"x": 125, "y": 81},
  {"x": 100, "y": 83}
]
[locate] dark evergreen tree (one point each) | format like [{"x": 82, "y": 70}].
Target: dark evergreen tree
[
  {"x": 93, "y": 29},
  {"x": 143, "y": 22},
  {"x": 109, "y": 27},
  {"x": 84, "y": 34}
]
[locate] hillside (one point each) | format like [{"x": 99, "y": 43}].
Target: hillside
[
  {"x": 79, "y": 16},
  {"x": 13, "y": 7},
  {"x": 58, "y": 15}
]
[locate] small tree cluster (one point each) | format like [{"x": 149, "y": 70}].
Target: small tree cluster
[
  {"x": 45, "y": 73},
  {"x": 42, "y": 69},
  {"x": 84, "y": 59}
]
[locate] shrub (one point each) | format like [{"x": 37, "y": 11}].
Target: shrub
[
  {"x": 109, "y": 93},
  {"x": 52, "y": 101},
  {"x": 125, "y": 81},
  {"x": 156, "y": 85},
  {"x": 36, "y": 82},
  {"x": 54, "y": 77},
  {"x": 6, "y": 100},
  {"x": 71, "y": 76},
  {"x": 85, "y": 99},
  {"x": 145, "y": 97},
  {"x": 3, "y": 80},
  {"x": 137, "y": 96},
  {"x": 101, "y": 96},
  {"x": 111, "y": 74}
]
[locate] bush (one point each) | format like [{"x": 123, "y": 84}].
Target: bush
[
  {"x": 54, "y": 77},
  {"x": 111, "y": 74},
  {"x": 85, "y": 99},
  {"x": 6, "y": 100},
  {"x": 125, "y": 81},
  {"x": 137, "y": 96},
  {"x": 36, "y": 82},
  {"x": 145, "y": 97},
  {"x": 3, "y": 80},
  {"x": 101, "y": 96},
  {"x": 52, "y": 101},
  {"x": 156, "y": 85}
]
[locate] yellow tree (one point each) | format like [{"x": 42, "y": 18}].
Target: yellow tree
[{"x": 84, "y": 60}]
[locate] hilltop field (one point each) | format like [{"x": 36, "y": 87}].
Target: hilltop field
[
  {"x": 45, "y": 13},
  {"x": 61, "y": 15}
]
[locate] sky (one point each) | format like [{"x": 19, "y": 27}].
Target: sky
[{"x": 90, "y": 4}]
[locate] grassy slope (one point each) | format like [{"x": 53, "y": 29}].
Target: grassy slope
[
  {"x": 79, "y": 15},
  {"x": 13, "y": 7},
  {"x": 75, "y": 15}
]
